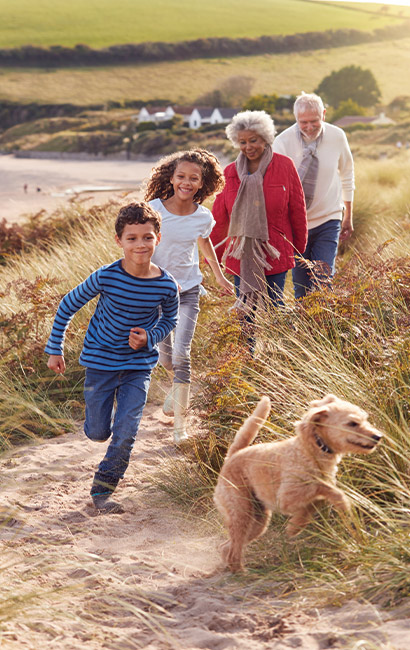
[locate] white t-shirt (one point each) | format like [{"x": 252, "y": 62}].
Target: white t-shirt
[{"x": 177, "y": 251}]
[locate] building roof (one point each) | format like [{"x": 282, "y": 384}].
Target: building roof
[
  {"x": 183, "y": 110},
  {"x": 155, "y": 109},
  {"x": 228, "y": 113},
  {"x": 347, "y": 120},
  {"x": 205, "y": 111}
]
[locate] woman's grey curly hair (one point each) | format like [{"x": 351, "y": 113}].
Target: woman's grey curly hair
[{"x": 258, "y": 121}]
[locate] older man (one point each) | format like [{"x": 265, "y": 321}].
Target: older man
[{"x": 324, "y": 162}]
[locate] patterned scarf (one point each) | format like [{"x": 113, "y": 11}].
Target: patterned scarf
[
  {"x": 309, "y": 166},
  {"x": 248, "y": 231}
]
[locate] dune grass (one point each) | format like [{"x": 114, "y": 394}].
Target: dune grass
[
  {"x": 101, "y": 23},
  {"x": 184, "y": 81},
  {"x": 353, "y": 341}
]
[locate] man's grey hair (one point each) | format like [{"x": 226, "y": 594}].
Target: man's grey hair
[
  {"x": 308, "y": 102},
  {"x": 258, "y": 121}
]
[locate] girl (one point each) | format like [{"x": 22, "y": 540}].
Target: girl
[{"x": 176, "y": 188}]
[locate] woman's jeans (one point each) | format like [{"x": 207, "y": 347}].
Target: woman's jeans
[
  {"x": 321, "y": 248},
  {"x": 275, "y": 285},
  {"x": 130, "y": 388},
  {"x": 175, "y": 349}
]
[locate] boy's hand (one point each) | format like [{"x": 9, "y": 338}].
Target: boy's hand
[
  {"x": 138, "y": 338},
  {"x": 56, "y": 362}
]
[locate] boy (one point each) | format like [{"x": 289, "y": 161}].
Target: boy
[{"x": 137, "y": 308}]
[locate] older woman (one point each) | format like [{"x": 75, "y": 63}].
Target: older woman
[{"x": 260, "y": 215}]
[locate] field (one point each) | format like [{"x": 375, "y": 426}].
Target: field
[
  {"x": 101, "y": 23},
  {"x": 184, "y": 81}
]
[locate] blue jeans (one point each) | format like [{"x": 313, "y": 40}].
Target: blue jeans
[
  {"x": 175, "y": 349},
  {"x": 130, "y": 388},
  {"x": 321, "y": 247},
  {"x": 275, "y": 285}
]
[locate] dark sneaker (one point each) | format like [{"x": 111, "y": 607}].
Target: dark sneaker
[{"x": 105, "y": 505}]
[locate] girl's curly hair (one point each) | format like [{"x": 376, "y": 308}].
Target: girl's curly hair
[{"x": 159, "y": 184}]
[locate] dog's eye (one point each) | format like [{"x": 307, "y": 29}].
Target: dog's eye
[{"x": 352, "y": 424}]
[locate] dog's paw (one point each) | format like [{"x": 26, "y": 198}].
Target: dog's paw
[{"x": 343, "y": 503}]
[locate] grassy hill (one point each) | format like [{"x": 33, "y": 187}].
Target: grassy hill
[
  {"x": 184, "y": 81},
  {"x": 100, "y": 23}
]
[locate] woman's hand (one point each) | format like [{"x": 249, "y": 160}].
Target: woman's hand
[
  {"x": 56, "y": 362},
  {"x": 138, "y": 338},
  {"x": 227, "y": 287}
]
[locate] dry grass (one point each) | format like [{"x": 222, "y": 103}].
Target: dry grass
[
  {"x": 184, "y": 81},
  {"x": 354, "y": 343}
]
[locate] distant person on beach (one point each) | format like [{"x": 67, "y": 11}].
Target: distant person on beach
[
  {"x": 25, "y": 187},
  {"x": 260, "y": 215},
  {"x": 324, "y": 161},
  {"x": 177, "y": 187},
  {"x": 136, "y": 310}
]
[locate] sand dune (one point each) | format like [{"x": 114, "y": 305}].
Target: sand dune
[
  {"x": 89, "y": 580},
  {"x": 72, "y": 579}
]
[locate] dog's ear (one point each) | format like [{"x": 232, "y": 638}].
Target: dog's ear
[
  {"x": 325, "y": 400},
  {"x": 314, "y": 417}
]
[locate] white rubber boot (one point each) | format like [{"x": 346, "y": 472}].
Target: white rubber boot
[
  {"x": 168, "y": 405},
  {"x": 181, "y": 401}
]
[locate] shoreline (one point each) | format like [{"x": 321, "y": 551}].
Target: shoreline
[{"x": 29, "y": 185}]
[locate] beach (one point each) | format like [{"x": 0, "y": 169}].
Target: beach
[{"x": 30, "y": 185}]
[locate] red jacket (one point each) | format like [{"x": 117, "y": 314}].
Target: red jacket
[{"x": 285, "y": 212}]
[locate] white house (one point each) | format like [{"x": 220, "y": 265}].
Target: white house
[
  {"x": 193, "y": 117},
  {"x": 184, "y": 112},
  {"x": 199, "y": 117},
  {"x": 155, "y": 114},
  {"x": 223, "y": 115}
]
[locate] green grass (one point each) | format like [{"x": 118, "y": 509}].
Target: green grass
[
  {"x": 101, "y": 23},
  {"x": 184, "y": 81}
]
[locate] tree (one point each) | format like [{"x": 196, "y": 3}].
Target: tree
[
  {"x": 351, "y": 82},
  {"x": 261, "y": 103},
  {"x": 348, "y": 107}
]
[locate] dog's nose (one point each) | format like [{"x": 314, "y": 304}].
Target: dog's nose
[{"x": 377, "y": 436}]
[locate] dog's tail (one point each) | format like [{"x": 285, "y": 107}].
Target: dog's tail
[{"x": 249, "y": 430}]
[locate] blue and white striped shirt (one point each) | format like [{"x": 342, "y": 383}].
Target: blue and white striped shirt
[{"x": 125, "y": 301}]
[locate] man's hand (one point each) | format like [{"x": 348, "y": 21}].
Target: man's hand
[
  {"x": 56, "y": 362},
  {"x": 346, "y": 229},
  {"x": 138, "y": 338}
]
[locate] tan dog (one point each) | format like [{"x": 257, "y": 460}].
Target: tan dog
[{"x": 287, "y": 476}]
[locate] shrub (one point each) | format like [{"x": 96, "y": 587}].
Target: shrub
[{"x": 351, "y": 82}]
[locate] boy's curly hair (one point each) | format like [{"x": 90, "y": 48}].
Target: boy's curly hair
[
  {"x": 159, "y": 184},
  {"x": 137, "y": 213}
]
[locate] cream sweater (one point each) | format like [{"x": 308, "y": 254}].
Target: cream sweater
[{"x": 335, "y": 182}]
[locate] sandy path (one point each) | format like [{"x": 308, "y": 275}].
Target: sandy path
[
  {"x": 85, "y": 578},
  {"x": 97, "y": 180}
]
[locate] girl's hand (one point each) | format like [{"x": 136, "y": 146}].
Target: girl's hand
[
  {"x": 227, "y": 287},
  {"x": 138, "y": 338},
  {"x": 56, "y": 362}
]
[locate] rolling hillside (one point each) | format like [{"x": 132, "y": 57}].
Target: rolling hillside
[{"x": 101, "y": 23}]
